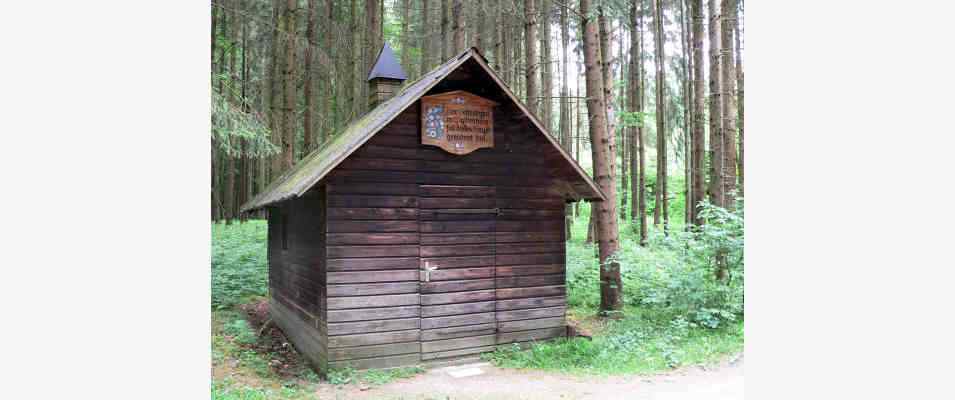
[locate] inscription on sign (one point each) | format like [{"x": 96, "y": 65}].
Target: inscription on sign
[{"x": 458, "y": 122}]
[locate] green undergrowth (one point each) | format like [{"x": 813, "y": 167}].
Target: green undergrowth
[
  {"x": 630, "y": 345},
  {"x": 675, "y": 313}
]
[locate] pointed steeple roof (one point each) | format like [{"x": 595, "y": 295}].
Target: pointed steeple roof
[{"x": 386, "y": 66}]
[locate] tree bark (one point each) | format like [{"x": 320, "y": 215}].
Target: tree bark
[
  {"x": 607, "y": 241},
  {"x": 697, "y": 177},
  {"x": 564, "y": 122},
  {"x": 457, "y": 11},
  {"x": 405, "y": 40},
  {"x": 727, "y": 79},
  {"x": 641, "y": 148},
  {"x": 661, "y": 192},
  {"x": 532, "y": 79},
  {"x": 425, "y": 39},
  {"x": 499, "y": 36},
  {"x": 288, "y": 124},
  {"x": 716, "y": 137},
  {"x": 739, "y": 96},
  {"x": 444, "y": 29},
  {"x": 606, "y": 69},
  {"x": 547, "y": 73},
  {"x": 230, "y": 170},
  {"x": 481, "y": 17},
  {"x": 308, "y": 84},
  {"x": 687, "y": 114}
]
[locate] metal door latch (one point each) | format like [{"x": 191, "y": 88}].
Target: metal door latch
[{"x": 427, "y": 271}]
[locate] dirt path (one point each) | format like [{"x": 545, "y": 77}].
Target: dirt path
[{"x": 722, "y": 381}]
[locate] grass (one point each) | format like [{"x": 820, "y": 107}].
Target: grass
[{"x": 643, "y": 341}]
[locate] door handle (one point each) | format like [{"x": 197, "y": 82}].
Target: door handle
[{"x": 427, "y": 271}]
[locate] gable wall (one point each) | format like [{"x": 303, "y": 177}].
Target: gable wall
[{"x": 374, "y": 235}]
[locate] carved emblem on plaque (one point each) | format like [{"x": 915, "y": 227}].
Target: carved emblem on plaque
[{"x": 458, "y": 122}]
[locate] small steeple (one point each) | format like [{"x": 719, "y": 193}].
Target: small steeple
[{"x": 385, "y": 78}]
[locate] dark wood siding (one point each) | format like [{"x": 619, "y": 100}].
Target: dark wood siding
[
  {"x": 504, "y": 277},
  {"x": 297, "y": 279}
]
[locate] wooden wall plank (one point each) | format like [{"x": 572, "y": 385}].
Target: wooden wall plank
[
  {"x": 366, "y": 277},
  {"x": 341, "y": 303},
  {"x": 411, "y": 335},
  {"x": 367, "y": 314},
  {"x": 528, "y": 324},
  {"x": 458, "y": 308},
  {"x": 531, "y": 313},
  {"x": 458, "y": 297},
  {"x": 379, "y": 350},
  {"x": 458, "y": 331},
  {"x": 378, "y": 362},
  {"x": 372, "y": 213},
  {"x": 532, "y": 302},
  {"x": 540, "y": 291},
  {"x": 537, "y": 334},
  {"x": 349, "y": 328},
  {"x": 448, "y": 344},
  {"x": 366, "y": 289},
  {"x": 457, "y": 320},
  {"x": 372, "y": 264},
  {"x": 385, "y": 250}
]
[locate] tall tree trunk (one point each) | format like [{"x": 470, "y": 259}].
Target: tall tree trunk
[
  {"x": 356, "y": 78},
  {"x": 499, "y": 36},
  {"x": 607, "y": 242},
  {"x": 624, "y": 132},
  {"x": 547, "y": 83},
  {"x": 632, "y": 100},
  {"x": 641, "y": 148},
  {"x": 457, "y": 11},
  {"x": 739, "y": 96},
  {"x": 687, "y": 113},
  {"x": 576, "y": 131},
  {"x": 329, "y": 122},
  {"x": 230, "y": 170},
  {"x": 276, "y": 100},
  {"x": 479, "y": 34},
  {"x": 532, "y": 94},
  {"x": 425, "y": 38},
  {"x": 716, "y": 136},
  {"x": 405, "y": 40},
  {"x": 727, "y": 80},
  {"x": 288, "y": 123},
  {"x": 661, "y": 192},
  {"x": 698, "y": 103},
  {"x": 373, "y": 38},
  {"x": 245, "y": 160},
  {"x": 565, "y": 138},
  {"x": 444, "y": 29},
  {"x": 606, "y": 69},
  {"x": 308, "y": 85}
]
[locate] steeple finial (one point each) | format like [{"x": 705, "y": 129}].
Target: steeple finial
[{"x": 386, "y": 66}]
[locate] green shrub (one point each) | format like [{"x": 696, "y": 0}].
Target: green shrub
[{"x": 239, "y": 263}]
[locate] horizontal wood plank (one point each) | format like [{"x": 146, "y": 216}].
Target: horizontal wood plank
[
  {"x": 540, "y": 291},
  {"x": 340, "y": 303},
  {"x": 372, "y": 264},
  {"x": 528, "y": 324},
  {"x": 379, "y": 350},
  {"x": 350, "y": 328},
  {"x": 457, "y": 320},
  {"x": 365, "y": 339},
  {"x": 372, "y": 277},
  {"x": 458, "y": 297},
  {"x": 367, "y": 314},
  {"x": 458, "y": 343},
  {"x": 532, "y": 313},
  {"x": 367, "y": 289}
]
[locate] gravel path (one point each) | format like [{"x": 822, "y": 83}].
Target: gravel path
[{"x": 722, "y": 381}]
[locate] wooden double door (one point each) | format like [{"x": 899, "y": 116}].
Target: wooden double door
[{"x": 457, "y": 270}]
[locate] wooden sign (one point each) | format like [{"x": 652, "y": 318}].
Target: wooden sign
[{"x": 458, "y": 122}]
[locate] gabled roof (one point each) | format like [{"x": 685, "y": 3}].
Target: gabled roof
[
  {"x": 315, "y": 166},
  {"x": 387, "y": 66}
]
